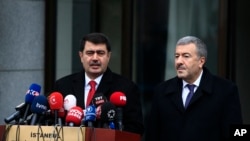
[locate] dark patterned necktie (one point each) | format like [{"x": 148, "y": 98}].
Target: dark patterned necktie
[{"x": 190, "y": 94}]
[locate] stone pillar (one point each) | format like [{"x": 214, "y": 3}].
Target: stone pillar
[{"x": 21, "y": 51}]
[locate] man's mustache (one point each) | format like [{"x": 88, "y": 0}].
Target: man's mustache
[
  {"x": 95, "y": 64},
  {"x": 180, "y": 66}
]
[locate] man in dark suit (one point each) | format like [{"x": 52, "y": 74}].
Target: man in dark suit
[
  {"x": 213, "y": 107},
  {"x": 95, "y": 53}
]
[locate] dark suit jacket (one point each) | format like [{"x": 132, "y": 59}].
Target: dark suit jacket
[
  {"x": 111, "y": 82},
  {"x": 213, "y": 108}
]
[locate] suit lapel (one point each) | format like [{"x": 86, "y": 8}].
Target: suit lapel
[
  {"x": 78, "y": 88},
  {"x": 197, "y": 95},
  {"x": 205, "y": 86},
  {"x": 175, "y": 94},
  {"x": 105, "y": 83},
  {"x": 176, "y": 98}
]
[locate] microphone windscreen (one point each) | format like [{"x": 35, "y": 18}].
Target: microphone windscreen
[
  {"x": 55, "y": 100},
  {"x": 90, "y": 114},
  {"x": 39, "y": 104},
  {"x": 118, "y": 99},
  {"x": 69, "y": 102},
  {"x": 99, "y": 99},
  {"x": 108, "y": 112},
  {"x": 74, "y": 115},
  {"x": 33, "y": 91}
]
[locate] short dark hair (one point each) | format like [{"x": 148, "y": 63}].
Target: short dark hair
[{"x": 96, "y": 38}]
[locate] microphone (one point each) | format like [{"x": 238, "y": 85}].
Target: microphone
[
  {"x": 108, "y": 114},
  {"x": 74, "y": 116},
  {"x": 51, "y": 114},
  {"x": 38, "y": 107},
  {"x": 55, "y": 100},
  {"x": 33, "y": 91},
  {"x": 98, "y": 100},
  {"x": 119, "y": 100},
  {"x": 90, "y": 115},
  {"x": 16, "y": 115},
  {"x": 44, "y": 118},
  {"x": 69, "y": 102},
  {"x": 61, "y": 114}
]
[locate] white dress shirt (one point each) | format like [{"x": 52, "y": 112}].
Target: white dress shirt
[{"x": 185, "y": 89}]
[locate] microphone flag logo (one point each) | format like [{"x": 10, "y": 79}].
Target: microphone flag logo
[{"x": 52, "y": 99}]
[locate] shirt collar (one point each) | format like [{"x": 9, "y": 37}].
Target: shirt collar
[
  {"x": 196, "y": 82},
  {"x": 97, "y": 80}
]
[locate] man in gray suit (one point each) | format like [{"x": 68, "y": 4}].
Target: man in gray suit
[{"x": 203, "y": 113}]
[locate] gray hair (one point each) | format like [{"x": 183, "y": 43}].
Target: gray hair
[{"x": 200, "y": 45}]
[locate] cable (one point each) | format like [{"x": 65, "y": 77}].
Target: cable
[
  {"x": 39, "y": 127},
  {"x": 6, "y": 132},
  {"x": 80, "y": 131},
  {"x": 18, "y": 132},
  {"x": 58, "y": 132}
]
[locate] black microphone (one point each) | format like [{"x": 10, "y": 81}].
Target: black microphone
[
  {"x": 16, "y": 115},
  {"x": 108, "y": 115},
  {"x": 99, "y": 99},
  {"x": 46, "y": 118}
]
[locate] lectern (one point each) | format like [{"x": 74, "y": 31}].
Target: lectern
[{"x": 63, "y": 133}]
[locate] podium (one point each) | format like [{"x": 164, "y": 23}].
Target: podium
[{"x": 63, "y": 133}]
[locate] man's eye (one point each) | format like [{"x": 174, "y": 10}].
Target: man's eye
[
  {"x": 100, "y": 52},
  {"x": 90, "y": 52}
]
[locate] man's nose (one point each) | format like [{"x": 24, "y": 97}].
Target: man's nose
[
  {"x": 95, "y": 55},
  {"x": 178, "y": 60}
]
